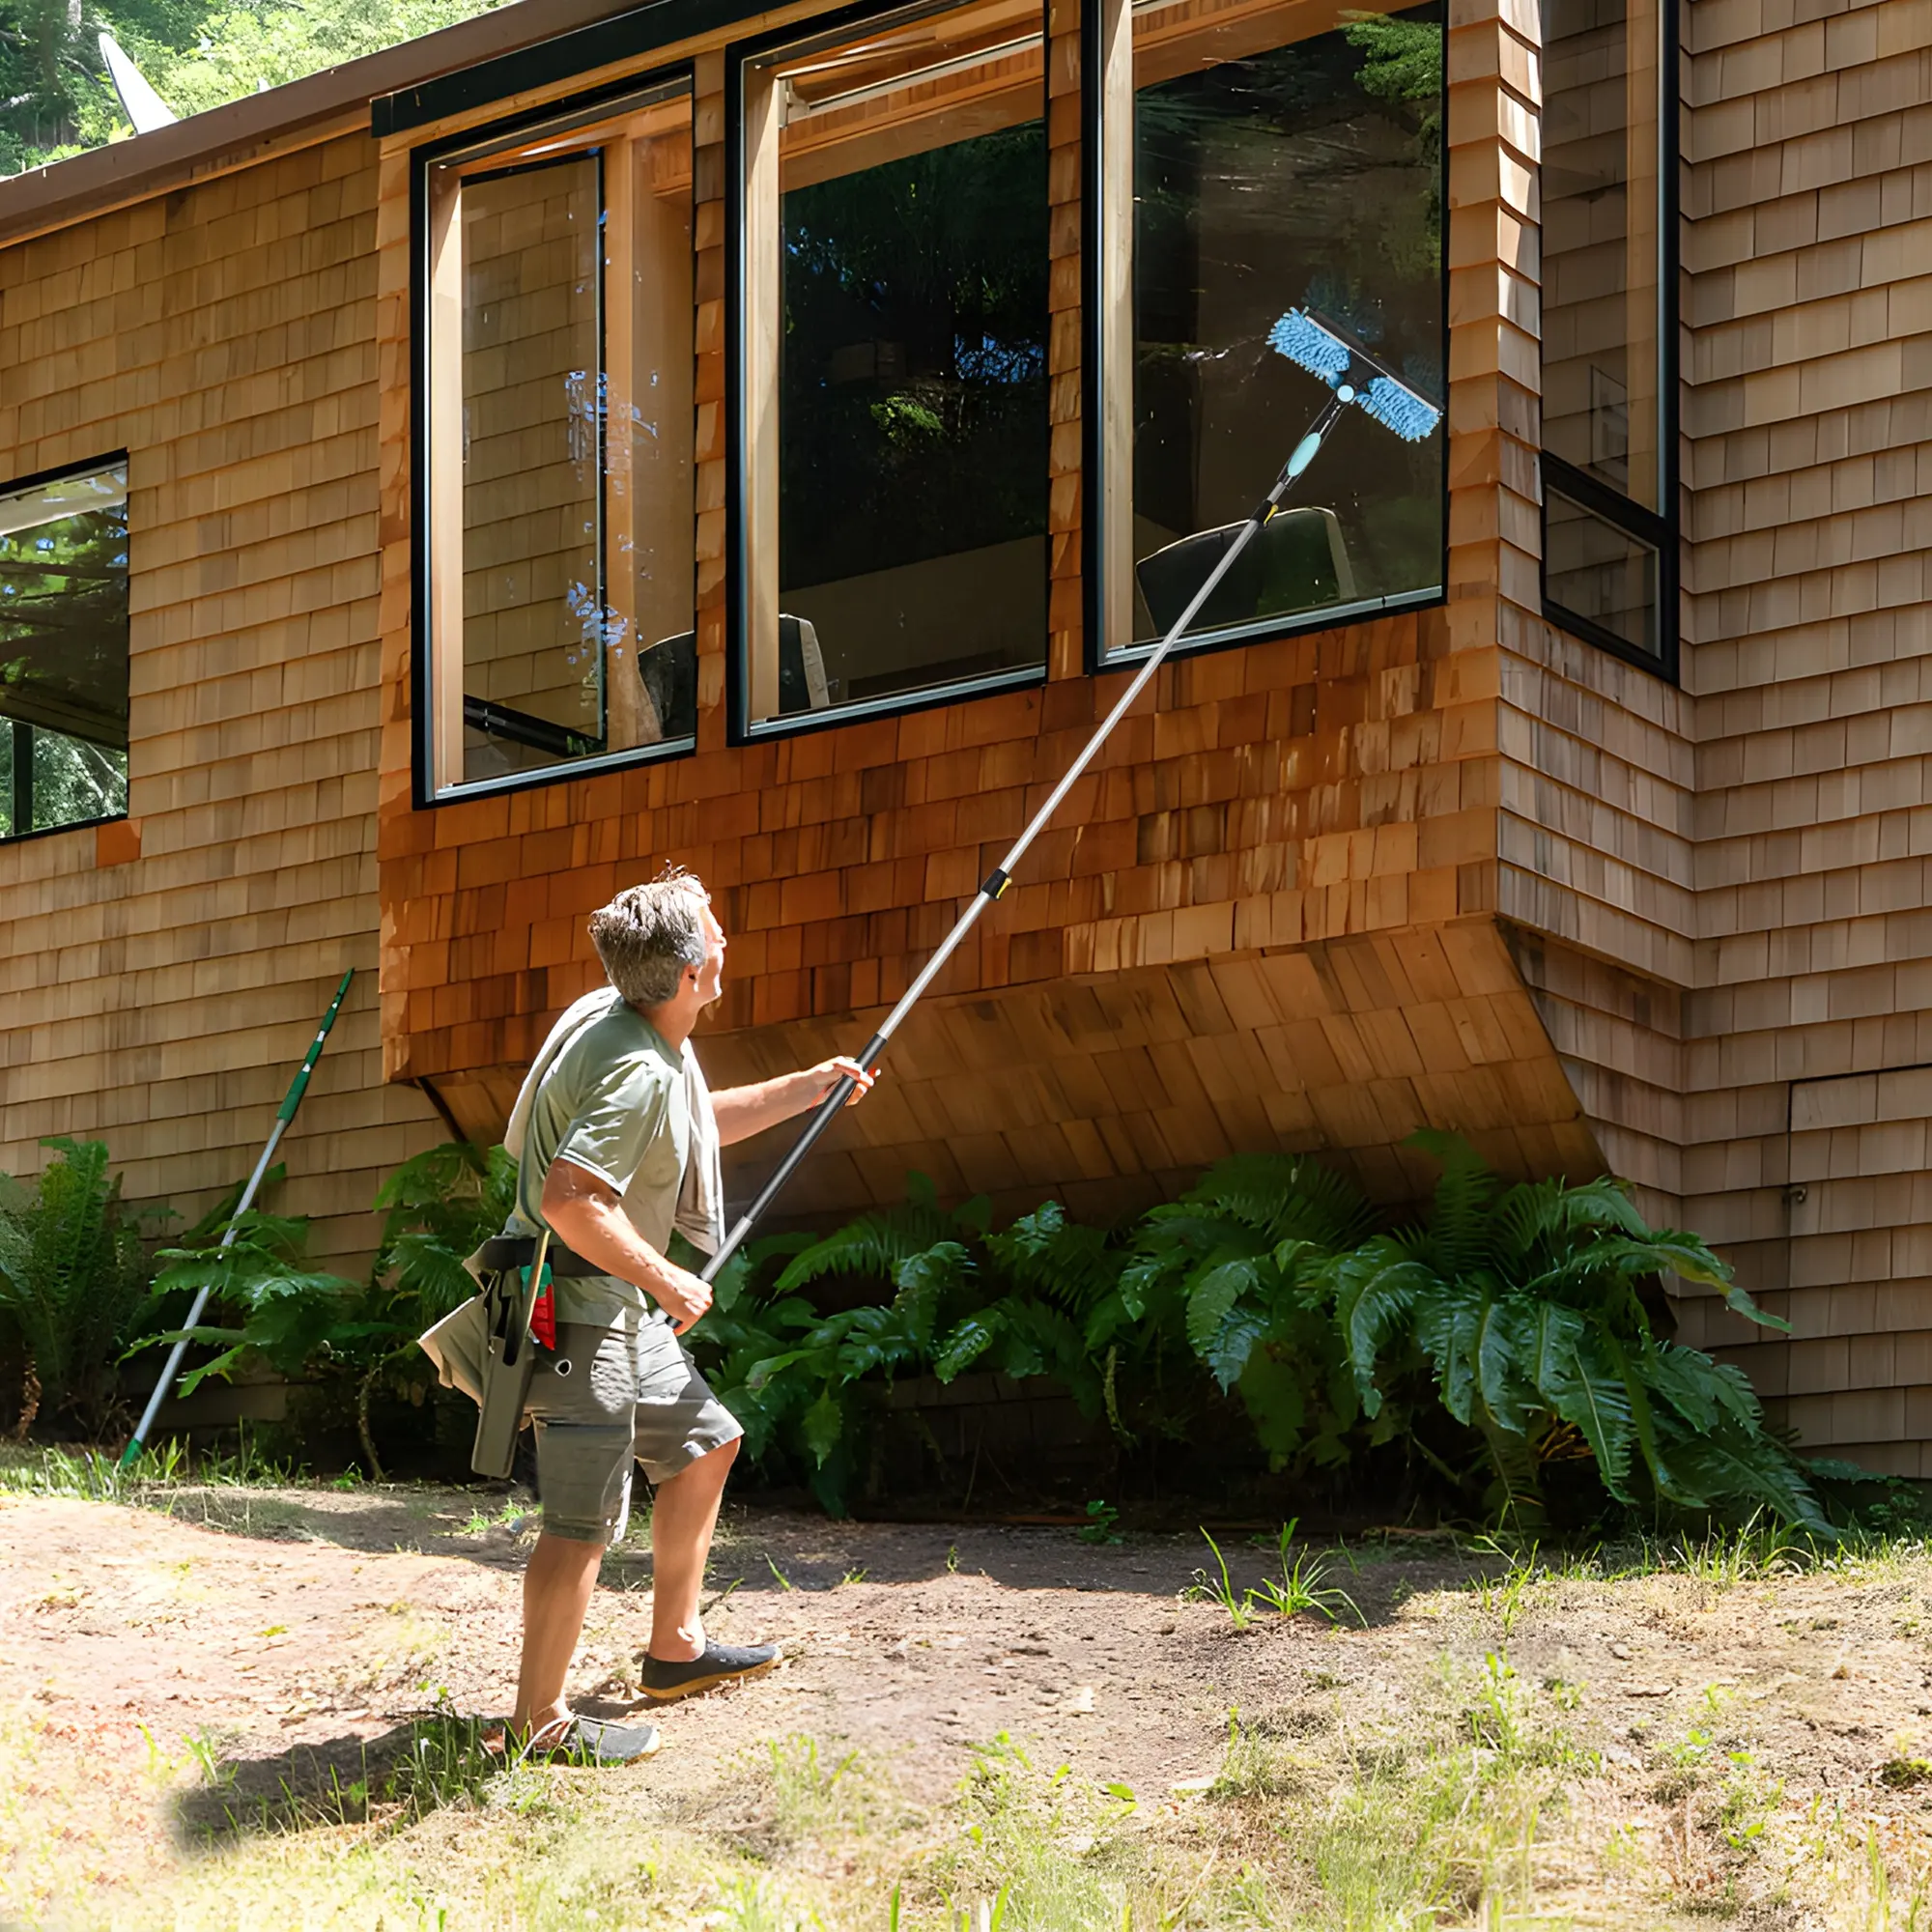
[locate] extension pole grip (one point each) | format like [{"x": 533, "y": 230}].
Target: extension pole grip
[
  {"x": 1001, "y": 877},
  {"x": 284, "y": 1114}
]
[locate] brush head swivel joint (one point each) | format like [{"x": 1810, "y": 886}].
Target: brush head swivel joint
[{"x": 1316, "y": 344}]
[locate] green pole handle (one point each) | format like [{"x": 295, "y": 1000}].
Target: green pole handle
[
  {"x": 284, "y": 1114},
  {"x": 299, "y": 1086}
]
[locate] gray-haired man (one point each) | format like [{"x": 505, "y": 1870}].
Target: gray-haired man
[{"x": 617, "y": 1141}]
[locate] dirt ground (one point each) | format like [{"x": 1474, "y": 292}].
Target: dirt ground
[{"x": 283, "y": 1636}]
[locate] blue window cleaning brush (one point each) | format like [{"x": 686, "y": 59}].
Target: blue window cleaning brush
[{"x": 1314, "y": 344}]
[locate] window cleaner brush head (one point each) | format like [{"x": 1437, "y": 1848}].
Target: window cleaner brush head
[{"x": 1354, "y": 374}]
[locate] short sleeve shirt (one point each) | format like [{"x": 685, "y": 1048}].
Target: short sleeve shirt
[{"x": 615, "y": 1102}]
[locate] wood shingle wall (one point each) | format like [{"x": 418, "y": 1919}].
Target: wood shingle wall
[
  {"x": 160, "y": 979},
  {"x": 1285, "y": 799},
  {"x": 1724, "y": 889}
]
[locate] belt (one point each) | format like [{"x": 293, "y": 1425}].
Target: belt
[{"x": 516, "y": 1251}]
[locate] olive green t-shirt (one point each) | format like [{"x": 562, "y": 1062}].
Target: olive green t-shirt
[{"x": 615, "y": 1103}]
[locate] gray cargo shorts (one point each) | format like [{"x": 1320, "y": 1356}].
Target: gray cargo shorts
[{"x": 608, "y": 1398}]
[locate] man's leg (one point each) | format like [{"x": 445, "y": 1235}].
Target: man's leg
[
  {"x": 556, "y": 1591},
  {"x": 682, "y": 1519}
]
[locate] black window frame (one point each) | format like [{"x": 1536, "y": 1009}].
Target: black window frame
[
  {"x": 423, "y": 159},
  {"x": 741, "y": 728},
  {"x": 21, "y": 802},
  {"x": 1095, "y": 659},
  {"x": 1660, "y": 530}
]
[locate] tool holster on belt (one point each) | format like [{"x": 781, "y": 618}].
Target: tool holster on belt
[{"x": 510, "y": 1293}]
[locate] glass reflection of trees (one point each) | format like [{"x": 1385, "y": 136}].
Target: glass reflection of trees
[
  {"x": 64, "y": 662},
  {"x": 939, "y": 444},
  {"x": 1304, "y": 175}
]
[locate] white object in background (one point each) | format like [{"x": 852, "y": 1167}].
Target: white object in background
[{"x": 143, "y": 107}]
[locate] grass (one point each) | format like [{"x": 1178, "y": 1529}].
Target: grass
[{"x": 95, "y": 1475}]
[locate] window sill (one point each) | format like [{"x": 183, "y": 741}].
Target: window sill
[
  {"x": 563, "y": 774},
  {"x": 1328, "y": 618},
  {"x": 926, "y": 698}
]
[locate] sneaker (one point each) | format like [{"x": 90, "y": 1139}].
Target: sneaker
[
  {"x": 720, "y": 1664},
  {"x": 586, "y": 1741}
]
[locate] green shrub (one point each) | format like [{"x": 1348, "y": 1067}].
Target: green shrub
[
  {"x": 1523, "y": 1303},
  {"x": 74, "y": 1273},
  {"x": 1512, "y": 1312},
  {"x": 1032, "y": 1300},
  {"x": 438, "y": 1206}
]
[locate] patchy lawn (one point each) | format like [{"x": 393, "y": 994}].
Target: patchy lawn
[{"x": 247, "y": 1707}]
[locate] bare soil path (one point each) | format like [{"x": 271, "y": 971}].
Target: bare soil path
[{"x": 280, "y": 1639}]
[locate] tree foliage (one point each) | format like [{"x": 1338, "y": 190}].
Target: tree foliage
[{"x": 55, "y": 96}]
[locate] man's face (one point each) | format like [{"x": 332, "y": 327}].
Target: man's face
[{"x": 711, "y": 973}]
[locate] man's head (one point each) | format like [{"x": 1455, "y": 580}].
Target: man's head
[{"x": 662, "y": 941}]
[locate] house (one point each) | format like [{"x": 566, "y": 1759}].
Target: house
[{"x": 439, "y": 492}]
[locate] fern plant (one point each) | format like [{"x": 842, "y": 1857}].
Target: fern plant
[
  {"x": 956, "y": 1295},
  {"x": 438, "y": 1207},
  {"x": 269, "y": 1305},
  {"x": 73, "y": 1272},
  {"x": 1524, "y": 1304},
  {"x": 1236, "y": 1266},
  {"x": 276, "y": 1308}
]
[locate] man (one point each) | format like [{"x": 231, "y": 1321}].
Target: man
[{"x": 617, "y": 1141}]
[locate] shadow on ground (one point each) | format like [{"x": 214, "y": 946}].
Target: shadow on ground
[{"x": 398, "y": 1778}]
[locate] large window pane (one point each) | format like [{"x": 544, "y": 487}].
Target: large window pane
[
  {"x": 560, "y": 417},
  {"x": 905, "y": 219},
  {"x": 533, "y": 467},
  {"x": 1275, "y": 165},
  {"x": 1599, "y": 573},
  {"x": 64, "y": 650},
  {"x": 1601, "y": 235}
]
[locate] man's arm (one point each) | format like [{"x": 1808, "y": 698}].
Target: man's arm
[
  {"x": 744, "y": 1111},
  {"x": 587, "y": 1215}
]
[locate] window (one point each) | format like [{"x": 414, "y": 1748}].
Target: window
[
  {"x": 557, "y": 567},
  {"x": 64, "y": 649},
  {"x": 893, "y": 340},
  {"x": 1606, "y": 326},
  {"x": 1278, "y": 160}
]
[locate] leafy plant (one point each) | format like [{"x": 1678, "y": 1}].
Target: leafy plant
[
  {"x": 1218, "y": 1587},
  {"x": 1236, "y": 1266},
  {"x": 1101, "y": 1516},
  {"x": 438, "y": 1206},
  {"x": 280, "y": 1310},
  {"x": 73, "y": 1272},
  {"x": 1524, "y": 1304},
  {"x": 962, "y": 1296},
  {"x": 1304, "y": 1584}
]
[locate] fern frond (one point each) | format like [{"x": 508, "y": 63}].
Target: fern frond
[{"x": 872, "y": 1246}]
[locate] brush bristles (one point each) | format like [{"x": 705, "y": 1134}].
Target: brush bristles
[
  {"x": 1397, "y": 408},
  {"x": 1309, "y": 346}
]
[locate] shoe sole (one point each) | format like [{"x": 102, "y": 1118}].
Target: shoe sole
[{"x": 693, "y": 1686}]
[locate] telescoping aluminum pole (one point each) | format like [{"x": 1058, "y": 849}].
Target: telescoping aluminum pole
[
  {"x": 290, "y": 1100},
  {"x": 1000, "y": 876}
]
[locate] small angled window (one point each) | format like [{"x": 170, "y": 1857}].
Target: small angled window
[
  {"x": 1607, "y": 423},
  {"x": 64, "y": 649}
]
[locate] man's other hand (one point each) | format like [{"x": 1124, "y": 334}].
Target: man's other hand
[
  {"x": 828, "y": 1073},
  {"x": 683, "y": 1296}
]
